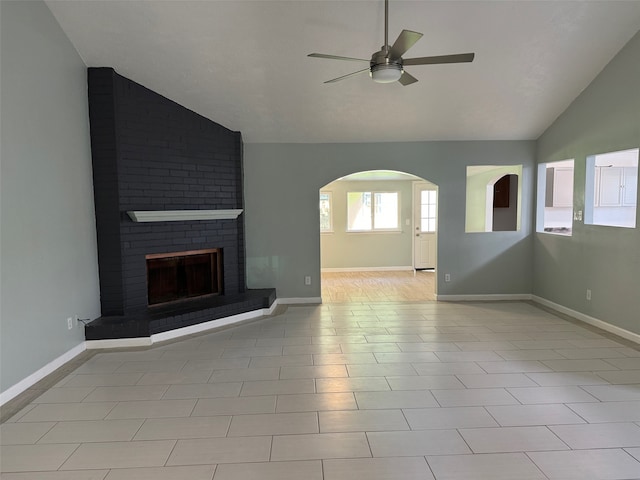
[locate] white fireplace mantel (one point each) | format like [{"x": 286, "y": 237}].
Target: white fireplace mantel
[{"x": 141, "y": 216}]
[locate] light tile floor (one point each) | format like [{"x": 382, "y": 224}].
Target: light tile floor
[{"x": 392, "y": 391}]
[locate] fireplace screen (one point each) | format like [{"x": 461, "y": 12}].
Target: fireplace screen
[{"x": 180, "y": 275}]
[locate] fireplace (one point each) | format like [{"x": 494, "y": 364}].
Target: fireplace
[
  {"x": 152, "y": 157},
  {"x": 182, "y": 275}
]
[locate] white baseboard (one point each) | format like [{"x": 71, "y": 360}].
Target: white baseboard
[
  {"x": 119, "y": 343},
  {"x": 32, "y": 379},
  {"x": 621, "y": 332},
  {"x": 493, "y": 297},
  {"x": 38, "y": 375},
  {"x": 300, "y": 301},
  {"x": 180, "y": 332},
  {"x": 367, "y": 269},
  {"x": 220, "y": 322}
]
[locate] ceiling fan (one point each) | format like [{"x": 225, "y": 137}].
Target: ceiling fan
[{"x": 387, "y": 65}]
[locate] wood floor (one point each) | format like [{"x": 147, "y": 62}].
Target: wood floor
[{"x": 379, "y": 286}]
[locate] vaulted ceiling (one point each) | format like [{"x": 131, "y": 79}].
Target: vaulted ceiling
[{"x": 244, "y": 64}]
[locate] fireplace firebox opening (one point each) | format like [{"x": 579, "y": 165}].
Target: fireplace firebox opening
[{"x": 183, "y": 275}]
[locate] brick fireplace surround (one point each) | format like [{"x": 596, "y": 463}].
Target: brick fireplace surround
[{"x": 150, "y": 153}]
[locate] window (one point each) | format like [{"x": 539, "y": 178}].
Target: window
[
  {"x": 428, "y": 211},
  {"x": 611, "y": 190},
  {"x": 370, "y": 211},
  {"x": 326, "y": 219},
  {"x": 555, "y": 198}
]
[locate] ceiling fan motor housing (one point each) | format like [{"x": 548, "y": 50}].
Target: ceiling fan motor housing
[
  {"x": 383, "y": 69},
  {"x": 387, "y": 65}
]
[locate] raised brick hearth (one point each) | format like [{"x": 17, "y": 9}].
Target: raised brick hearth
[{"x": 149, "y": 153}]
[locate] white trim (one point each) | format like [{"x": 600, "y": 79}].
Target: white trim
[
  {"x": 492, "y": 297},
  {"x": 220, "y": 322},
  {"x": 367, "y": 269},
  {"x": 621, "y": 332},
  {"x": 377, "y": 231},
  {"x": 119, "y": 343},
  {"x": 300, "y": 300},
  {"x": 180, "y": 332},
  {"x": 38, "y": 375},
  {"x": 181, "y": 215},
  {"x": 416, "y": 212}
]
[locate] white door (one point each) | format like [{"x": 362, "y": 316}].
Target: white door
[{"x": 425, "y": 216}]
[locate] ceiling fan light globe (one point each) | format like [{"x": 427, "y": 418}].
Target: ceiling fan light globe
[{"x": 386, "y": 73}]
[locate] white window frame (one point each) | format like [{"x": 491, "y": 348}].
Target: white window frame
[
  {"x": 330, "y": 200},
  {"x": 372, "y": 209},
  {"x": 435, "y": 215}
]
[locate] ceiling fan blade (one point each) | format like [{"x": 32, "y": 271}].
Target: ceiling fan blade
[
  {"x": 347, "y": 76},
  {"x": 404, "y": 42},
  {"x": 458, "y": 58},
  {"x": 407, "y": 79},
  {"x": 335, "y": 57}
]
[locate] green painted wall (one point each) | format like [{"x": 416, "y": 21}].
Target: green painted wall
[
  {"x": 605, "y": 117},
  {"x": 48, "y": 241},
  {"x": 281, "y": 211}
]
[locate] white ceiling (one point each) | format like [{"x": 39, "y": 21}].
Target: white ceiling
[{"x": 244, "y": 64}]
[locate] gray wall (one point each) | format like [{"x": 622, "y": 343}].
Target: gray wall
[
  {"x": 48, "y": 246},
  {"x": 605, "y": 117},
  {"x": 281, "y": 206},
  {"x": 340, "y": 249}
]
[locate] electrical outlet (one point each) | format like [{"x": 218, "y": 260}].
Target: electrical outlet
[
  {"x": 588, "y": 294},
  {"x": 447, "y": 277},
  {"x": 69, "y": 323},
  {"x": 307, "y": 280}
]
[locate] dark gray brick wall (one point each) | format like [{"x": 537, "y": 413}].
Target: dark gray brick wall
[{"x": 149, "y": 153}]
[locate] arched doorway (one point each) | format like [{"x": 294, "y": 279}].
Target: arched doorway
[
  {"x": 378, "y": 239},
  {"x": 502, "y": 204}
]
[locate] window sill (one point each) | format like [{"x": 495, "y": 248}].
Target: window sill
[
  {"x": 562, "y": 232},
  {"x": 369, "y": 232}
]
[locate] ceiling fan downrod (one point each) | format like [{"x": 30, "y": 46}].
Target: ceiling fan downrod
[{"x": 386, "y": 28}]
